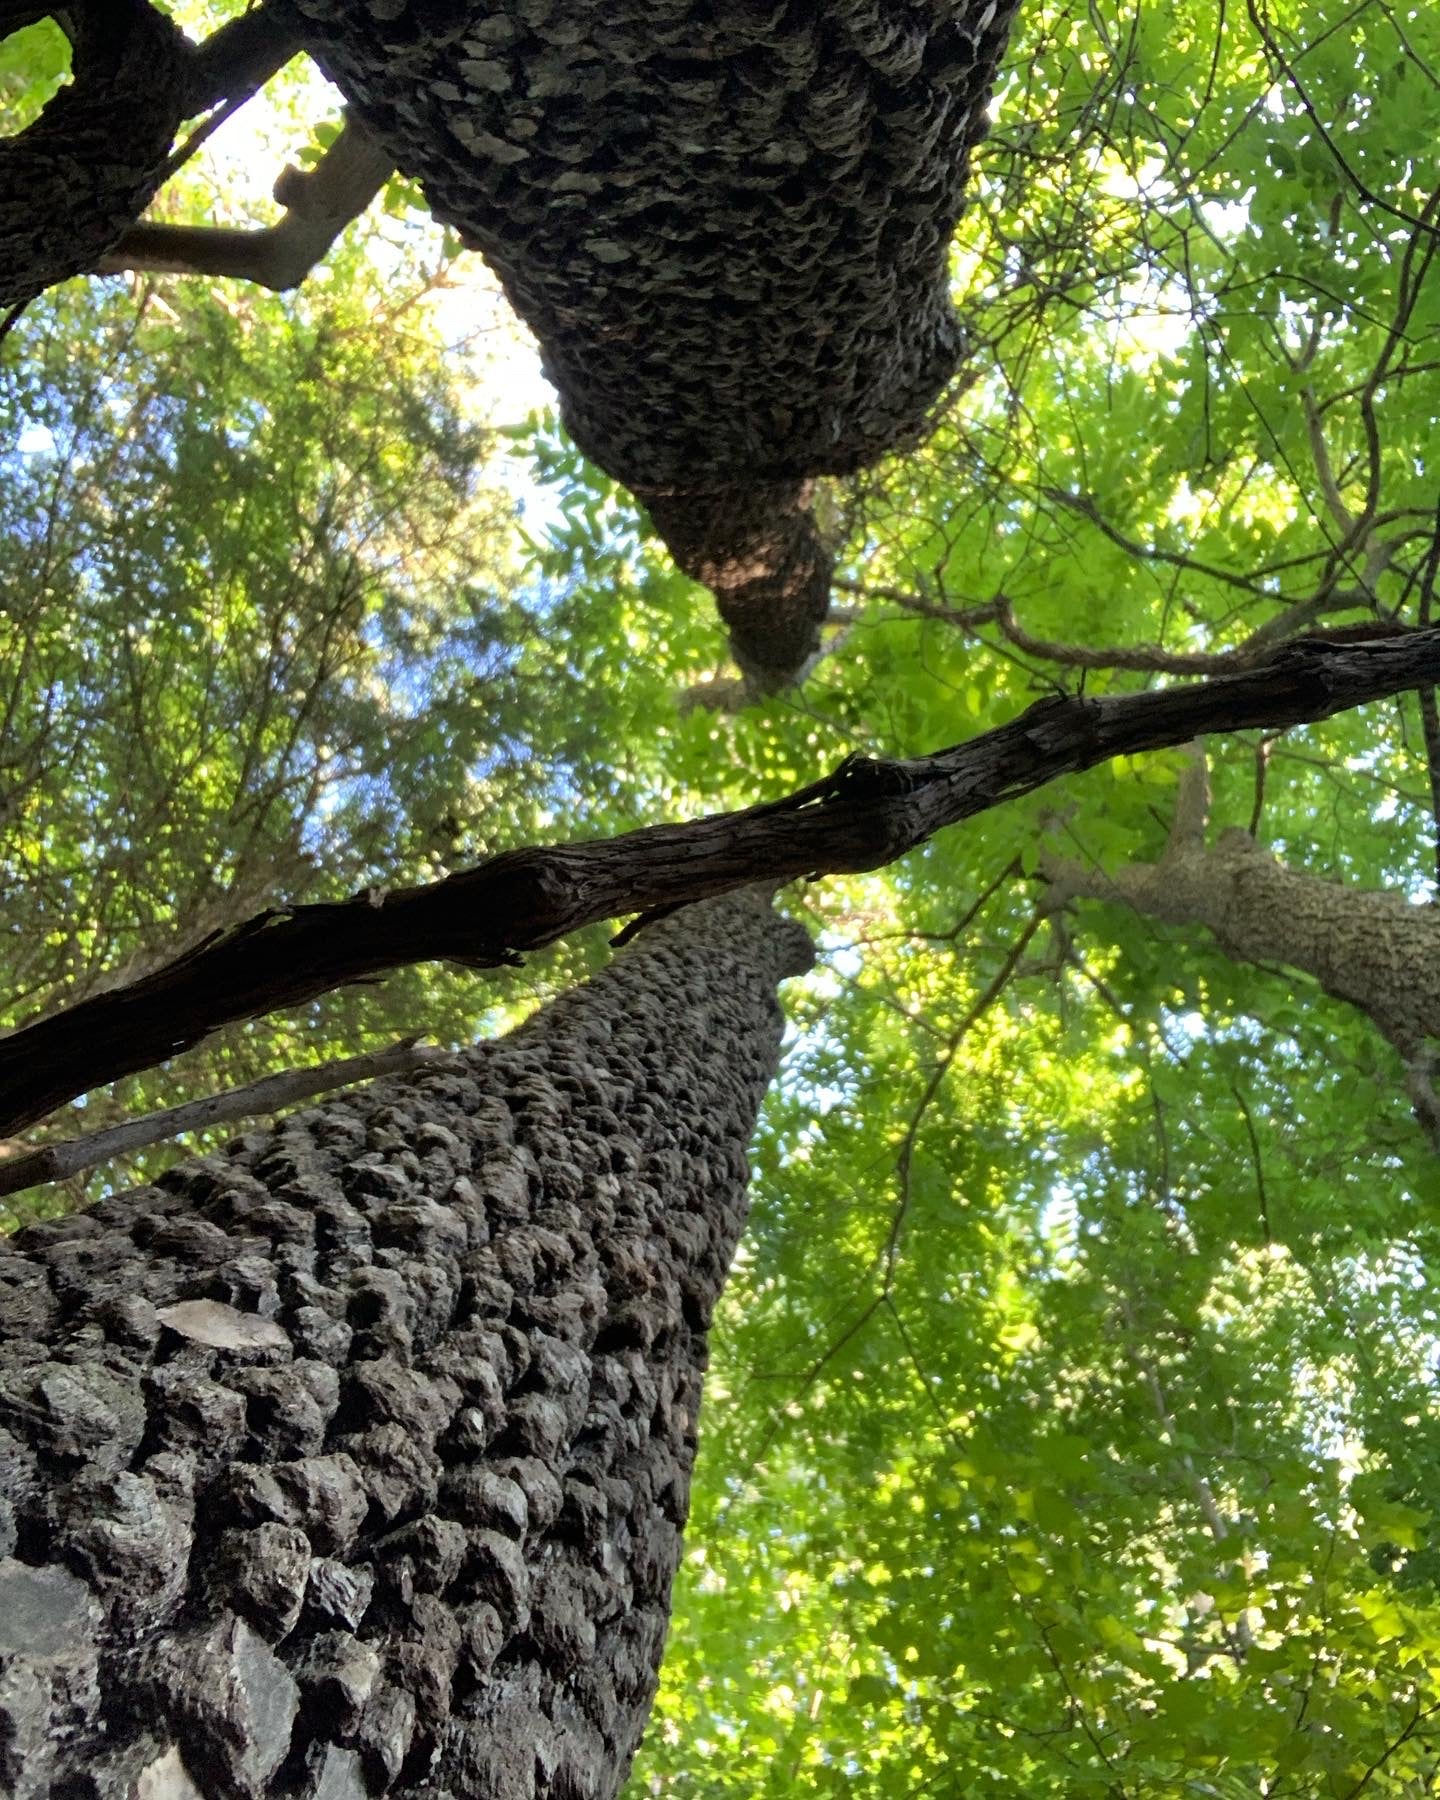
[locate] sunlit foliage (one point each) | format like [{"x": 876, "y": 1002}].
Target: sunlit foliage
[{"x": 1073, "y": 1425}]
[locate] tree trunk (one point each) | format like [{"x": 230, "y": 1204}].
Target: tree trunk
[
  {"x": 355, "y": 1459},
  {"x": 727, "y": 224},
  {"x": 87, "y": 167}
]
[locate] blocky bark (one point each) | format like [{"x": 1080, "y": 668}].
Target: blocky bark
[
  {"x": 354, "y": 1460},
  {"x": 727, "y": 224},
  {"x": 73, "y": 181}
]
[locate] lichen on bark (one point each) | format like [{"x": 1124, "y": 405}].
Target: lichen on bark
[{"x": 355, "y": 1459}]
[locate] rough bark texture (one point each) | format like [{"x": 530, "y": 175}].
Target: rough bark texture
[
  {"x": 1370, "y": 947},
  {"x": 760, "y": 553},
  {"x": 355, "y": 1460},
  {"x": 74, "y": 180},
  {"x": 864, "y": 815},
  {"x": 726, "y": 223}
]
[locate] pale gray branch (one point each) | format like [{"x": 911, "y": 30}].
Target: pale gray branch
[
  {"x": 1192, "y": 804},
  {"x": 73, "y": 1156},
  {"x": 319, "y": 204}
]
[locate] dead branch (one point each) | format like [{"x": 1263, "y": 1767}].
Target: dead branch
[{"x": 74, "y": 1156}]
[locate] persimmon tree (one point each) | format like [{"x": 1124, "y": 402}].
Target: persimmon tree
[{"x": 1069, "y": 1420}]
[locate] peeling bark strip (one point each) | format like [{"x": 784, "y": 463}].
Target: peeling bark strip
[
  {"x": 355, "y": 1460},
  {"x": 727, "y": 223},
  {"x": 865, "y": 815}
]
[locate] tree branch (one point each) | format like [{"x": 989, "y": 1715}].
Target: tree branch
[
  {"x": 864, "y": 815},
  {"x": 73, "y": 1156},
  {"x": 73, "y": 180},
  {"x": 319, "y": 205},
  {"x": 239, "y": 57},
  {"x": 1192, "y": 805}
]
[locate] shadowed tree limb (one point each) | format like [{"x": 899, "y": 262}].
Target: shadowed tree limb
[
  {"x": 864, "y": 815},
  {"x": 72, "y": 182},
  {"x": 761, "y": 555},
  {"x": 238, "y": 58},
  {"x": 728, "y": 227}
]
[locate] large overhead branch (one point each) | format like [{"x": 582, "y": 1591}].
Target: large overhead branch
[
  {"x": 1372, "y": 947},
  {"x": 864, "y": 815},
  {"x": 727, "y": 224}
]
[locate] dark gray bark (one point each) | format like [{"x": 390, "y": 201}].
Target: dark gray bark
[
  {"x": 759, "y": 551},
  {"x": 73, "y": 181},
  {"x": 355, "y": 1460},
  {"x": 727, "y": 224}
]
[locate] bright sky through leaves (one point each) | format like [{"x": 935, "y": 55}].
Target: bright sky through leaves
[{"x": 1073, "y": 1425}]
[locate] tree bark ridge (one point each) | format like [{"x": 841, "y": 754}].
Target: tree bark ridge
[{"x": 355, "y": 1460}]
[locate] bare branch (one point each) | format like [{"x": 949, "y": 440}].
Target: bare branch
[
  {"x": 319, "y": 204},
  {"x": 73, "y": 1156},
  {"x": 865, "y": 814},
  {"x": 1324, "y": 470}
]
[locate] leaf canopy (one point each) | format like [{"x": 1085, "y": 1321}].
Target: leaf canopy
[{"x": 1072, "y": 1425}]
